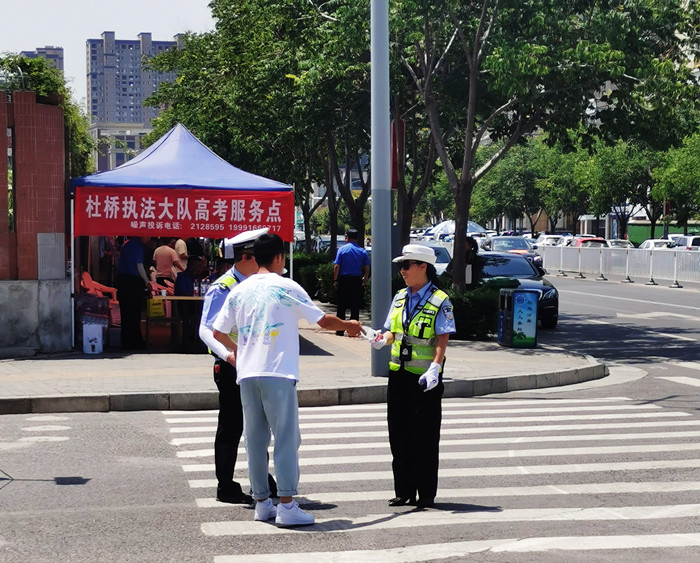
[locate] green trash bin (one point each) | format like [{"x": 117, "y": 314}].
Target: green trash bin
[{"x": 517, "y": 318}]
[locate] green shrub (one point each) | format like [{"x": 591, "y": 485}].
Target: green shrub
[
  {"x": 308, "y": 279},
  {"x": 326, "y": 291},
  {"x": 476, "y": 312},
  {"x": 305, "y": 266},
  {"x": 302, "y": 259}
]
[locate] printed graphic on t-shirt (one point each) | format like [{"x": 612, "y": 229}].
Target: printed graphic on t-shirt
[{"x": 259, "y": 303}]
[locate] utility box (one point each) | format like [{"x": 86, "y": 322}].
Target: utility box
[{"x": 517, "y": 318}]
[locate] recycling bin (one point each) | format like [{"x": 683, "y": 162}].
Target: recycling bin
[{"x": 517, "y": 318}]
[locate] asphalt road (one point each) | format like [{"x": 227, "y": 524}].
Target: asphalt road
[
  {"x": 654, "y": 328},
  {"x": 607, "y": 470}
]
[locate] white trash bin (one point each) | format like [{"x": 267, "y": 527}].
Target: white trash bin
[{"x": 92, "y": 338}]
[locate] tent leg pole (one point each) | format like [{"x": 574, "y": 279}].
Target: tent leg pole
[{"x": 72, "y": 272}]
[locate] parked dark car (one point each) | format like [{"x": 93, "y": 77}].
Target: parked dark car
[
  {"x": 442, "y": 255},
  {"x": 513, "y": 245},
  {"x": 519, "y": 269}
]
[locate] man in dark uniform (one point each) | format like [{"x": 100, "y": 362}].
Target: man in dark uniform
[
  {"x": 350, "y": 273},
  {"x": 131, "y": 291},
  {"x": 230, "y": 424}
]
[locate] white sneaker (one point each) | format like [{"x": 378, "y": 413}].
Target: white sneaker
[
  {"x": 294, "y": 516},
  {"x": 264, "y": 511}
]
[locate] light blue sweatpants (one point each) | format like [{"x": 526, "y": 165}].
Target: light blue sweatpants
[{"x": 270, "y": 405}]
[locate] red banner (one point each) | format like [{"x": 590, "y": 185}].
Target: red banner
[{"x": 102, "y": 211}]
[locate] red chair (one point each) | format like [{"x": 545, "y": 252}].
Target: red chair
[
  {"x": 156, "y": 288},
  {"x": 94, "y": 288}
]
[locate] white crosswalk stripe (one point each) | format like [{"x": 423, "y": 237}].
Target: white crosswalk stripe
[
  {"x": 695, "y": 382},
  {"x": 607, "y": 460},
  {"x": 414, "y": 519},
  {"x": 434, "y": 552}
]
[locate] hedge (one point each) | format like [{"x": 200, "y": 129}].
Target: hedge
[{"x": 475, "y": 310}]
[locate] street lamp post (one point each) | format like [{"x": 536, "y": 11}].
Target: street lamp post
[{"x": 380, "y": 175}]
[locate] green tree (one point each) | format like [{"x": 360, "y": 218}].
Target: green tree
[
  {"x": 511, "y": 189},
  {"x": 678, "y": 182},
  {"x": 281, "y": 89},
  {"x": 437, "y": 204},
  {"x": 621, "y": 180},
  {"x": 48, "y": 83},
  {"x": 505, "y": 68},
  {"x": 561, "y": 182}
]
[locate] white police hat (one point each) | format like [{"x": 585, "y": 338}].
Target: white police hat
[
  {"x": 242, "y": 240},
  {"x": 417, "y": 252}
]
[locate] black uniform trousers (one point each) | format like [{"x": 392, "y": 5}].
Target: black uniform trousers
[
  {"x": 349, "y": 297},
  {"x": 229, "y": 431},
  {"x": 131, "y": 294},
  {"x": 414, "y": 418},
  {"x": 229, "y": 428}
]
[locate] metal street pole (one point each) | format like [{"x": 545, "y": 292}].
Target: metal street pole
[{"x": 380, "y": 175}]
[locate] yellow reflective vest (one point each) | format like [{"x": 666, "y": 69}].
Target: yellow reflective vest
[{"x": 420, "y": 335}]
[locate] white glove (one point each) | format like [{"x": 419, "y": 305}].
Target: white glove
[
  {"x": 379, "y": 342},
  {"x": 368, "y": 333},
  {"x": 431, "y": 377},
  {"x": 374, "y": 336}
]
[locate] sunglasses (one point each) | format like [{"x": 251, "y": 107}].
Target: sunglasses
[{"x": 406, "y": 264}]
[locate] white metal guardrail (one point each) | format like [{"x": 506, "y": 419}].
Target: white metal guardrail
[{"x": 650, "y": 265}]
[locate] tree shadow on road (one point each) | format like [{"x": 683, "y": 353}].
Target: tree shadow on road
[{"x": 622, "y": 341}]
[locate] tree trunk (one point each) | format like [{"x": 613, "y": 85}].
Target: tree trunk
[
  {"x": 462, "y": 202},
  {"x": 624, "y": 221},
  {"x": 357, "y": 216}
]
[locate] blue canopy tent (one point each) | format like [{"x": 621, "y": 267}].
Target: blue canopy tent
[
  {"x": 179, "y": 187},
  {"x": 179, "y": 159}
]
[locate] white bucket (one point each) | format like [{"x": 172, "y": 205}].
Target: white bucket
[{"x": 92, "y": 339}]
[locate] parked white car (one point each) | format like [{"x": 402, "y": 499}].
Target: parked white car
[
  {"x": 548, "y": 240},
  {"x": 619, "y": 243},
  {"x": 690, "y": 242},
  {"x": 655, "y": 243}
]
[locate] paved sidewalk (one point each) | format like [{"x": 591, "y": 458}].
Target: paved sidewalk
[{"x": 334, "y": 370}]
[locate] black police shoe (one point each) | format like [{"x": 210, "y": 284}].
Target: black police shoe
[
  {"x": 234, "y": 498},
  {"x": 401, "y": 501}
]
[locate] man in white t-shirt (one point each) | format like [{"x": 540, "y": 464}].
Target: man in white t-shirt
[{"x": 265, "y": 310}]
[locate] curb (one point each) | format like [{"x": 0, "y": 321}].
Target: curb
[{"x": 209, "y": 400}]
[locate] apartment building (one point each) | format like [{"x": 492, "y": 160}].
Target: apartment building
[{"x": 118, "y": 82}]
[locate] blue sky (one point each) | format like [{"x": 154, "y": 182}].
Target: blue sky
[{"x": 70, "y": 23}]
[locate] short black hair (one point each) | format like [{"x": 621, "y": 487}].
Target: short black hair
[
  {"x": 266, "y": 248},
  {"x": 352, "y": 234},
  {"x": 239, "y": 251}
]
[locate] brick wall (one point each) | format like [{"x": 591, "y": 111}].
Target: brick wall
[{"x": 39, "y": 181}]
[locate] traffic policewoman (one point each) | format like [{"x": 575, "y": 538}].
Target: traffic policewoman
[{"x": 418, "y": 328}]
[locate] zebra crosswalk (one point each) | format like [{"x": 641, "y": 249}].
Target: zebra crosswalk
[{"x": 517, "y": 476}]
